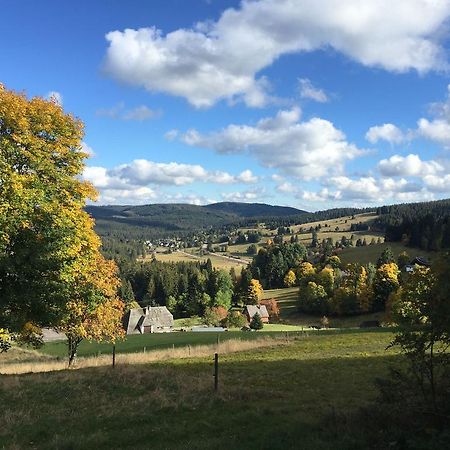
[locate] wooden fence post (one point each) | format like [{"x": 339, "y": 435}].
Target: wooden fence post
[{"x": 216, "y": 372}]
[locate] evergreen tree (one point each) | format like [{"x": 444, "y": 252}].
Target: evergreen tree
[
  {"x": 386, "y": 257},
  {"x": 256, "y": 323}
]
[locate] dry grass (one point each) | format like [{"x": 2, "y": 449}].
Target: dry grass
[
  {"x": 218, "y": 261},
  {"x": 21, "y": 354},
  {"x": 48, "y": 364}
]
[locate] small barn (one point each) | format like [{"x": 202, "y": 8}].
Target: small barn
[
  {"x": 151, "y": 319},
  {"x": 251, "y": 310}
]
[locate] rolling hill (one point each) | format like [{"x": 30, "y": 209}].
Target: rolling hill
[
  {"x": 182, "y": 217},
  {"x": 248, "y": 210}
]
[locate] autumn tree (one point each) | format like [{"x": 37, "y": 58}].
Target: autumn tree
[
  {"x": 215, "y": 315},
  {"x": 254, "y": 292},
  {"x": 51, "y": 268},
  {"x": 305, "y": 273},
  {"x": 333, "y": 261},
  {"x": 313, "y": 299},
  {"x": 272, "y": 308},
  {"x": 326, "y": 279},
  {"x": 422, "y": 311},
  {"x": 5, "y": 340},
  {"x": 290, "y": 278},
  {"x": 386, "y": 282},
  {"x": 354, "y": 295}
]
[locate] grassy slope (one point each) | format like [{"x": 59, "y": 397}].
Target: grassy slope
[
  {"x": 272, "y": 398},
  {"x": 371, "y": 253},
  {"x": 218, "y": 262},
  {"x": 137, "y": 343},
  {"x": 287, "y": 299}
]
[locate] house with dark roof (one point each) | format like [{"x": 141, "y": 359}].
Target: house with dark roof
[
  {"x": 420, "y": 261},
  {"x": 417, "y": 261},
  {"x": 151, "y": 319},
  {"x": 251, "y": 310}
]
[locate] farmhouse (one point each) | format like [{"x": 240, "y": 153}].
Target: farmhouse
[
  {"x": 151, "y": 319},
  {"x": 251, "y": 310},
  {"x": 417, "y": 261}
]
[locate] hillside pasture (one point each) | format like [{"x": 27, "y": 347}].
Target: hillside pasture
[
  {"x": 218, "y": 261},
  {"x": 344, "y": 223},
  {"x": 157, "y": 341},
  {"x": 371, "y": 253},
  {"x": 291, "y": 392},
  {"x": 287, "y": 299}
]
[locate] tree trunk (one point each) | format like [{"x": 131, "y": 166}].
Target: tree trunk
[{"x": 72, "y": 343}]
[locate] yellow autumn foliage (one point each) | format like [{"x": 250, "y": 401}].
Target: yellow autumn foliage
[{"x": 51, "y": 268}]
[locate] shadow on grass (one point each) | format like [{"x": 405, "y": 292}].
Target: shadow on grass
[{"x": 261, "y": 404}]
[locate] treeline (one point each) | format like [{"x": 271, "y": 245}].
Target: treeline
[
  {"x": 328, "y": 214},
  {"x": 424, "y": 225},
  {"x": 186, "y": 288},
  {"x": 271, "y": 264}
]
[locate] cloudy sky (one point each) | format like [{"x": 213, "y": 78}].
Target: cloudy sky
[{"x": 307, "y": 103}]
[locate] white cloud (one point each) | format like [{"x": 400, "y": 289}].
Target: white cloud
[
  {"x": 307, "y": 150},
  {"x": 286, "y": 187},
  {"x": 247, "y": 176},
  {"x": 307, "y": 90},
  {"x": 171, "y": 135},
  {"x": 129, "y": 196},
  {"x": 368, "y": 190},
  {"x": 276, "y": 177},
  {"x": 438, "y": 183},
  {"x": 387, "y": 132},
  {"x": 85, "y": 148},
  {"x": 55, "y": 96},
  {"x": 245, "y": 196},
  {"x": 410, "y": 165},
  {"x": 221, "y": 60},
  {"x": 113, "y": 112},
  {"x": 139, "y": 113},
  {"x": 139, "y": 174},
  {"x": 437, "y": 130},
  {"x": 134, "y": 183},
  {"x": 191, "y": 199}
]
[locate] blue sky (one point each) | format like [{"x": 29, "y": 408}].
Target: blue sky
[{"x": 313, "y": 104}]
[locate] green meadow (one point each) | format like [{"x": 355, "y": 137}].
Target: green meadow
[{"x": 280, "y": 397}]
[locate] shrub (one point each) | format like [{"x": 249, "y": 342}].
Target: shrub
[
  {"x": 272, "y": 307},
  {"x": 252, "y": 249},
  {"x": 213, "y": 316},
  {"x": 290, "y": 278},
  {"x": 234, "y": 320},
  {"x": 5, "y": 340}
]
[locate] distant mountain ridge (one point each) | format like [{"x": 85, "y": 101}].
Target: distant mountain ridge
[
  {"x": 179, "y": 217},
  {"x": 254, "y": 209}
]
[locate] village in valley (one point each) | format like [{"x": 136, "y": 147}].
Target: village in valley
[{"x": 225, "y": 225}]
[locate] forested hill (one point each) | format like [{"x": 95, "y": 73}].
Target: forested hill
[
  {"x": 159, "y": 220},
  {"x": 162, "y": 217},
  {"x": 248, "y": 210},
  {"x": 425, "y": 225}
]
